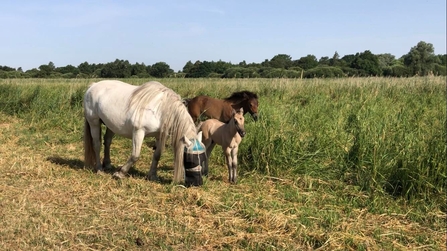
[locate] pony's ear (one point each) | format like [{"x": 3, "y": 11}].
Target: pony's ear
[
  {"x": 186, "y": 141},
  {"x": 241, "y": 110},
  {"x": 199, "y": 136}
]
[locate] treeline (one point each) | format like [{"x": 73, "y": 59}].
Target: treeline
[{"x": 420, "y": 60}]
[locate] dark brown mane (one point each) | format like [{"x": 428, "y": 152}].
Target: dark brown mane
[{"x": 236, "y": 96}]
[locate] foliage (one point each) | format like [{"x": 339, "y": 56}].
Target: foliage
[
  {"x": 324, "y": 72},
  {"x": 367, "y": 62},
  {"x": 307, "y": 62},
  {"x": 442, "y": 59},
  {"x": 188, "y": 66},
  {"x": 160, "y": 70},
  {"x": 281, "y": 61},
  {"x": 200, "y": 69},
  {"x": 439, "y": 70},
  {"x": 117, "y": 69},
  {"x": 421, "y": 59},
  {"x": 386, "y": 60},
  {"x": 397, "y": 71}
]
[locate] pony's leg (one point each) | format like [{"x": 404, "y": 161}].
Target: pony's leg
[
  {"x": 106, "y": 163},
  {"x": 234, "y": 165},
  {"x": 95, "y": 131},
  {"x": 209, "y": 147},
  {"x": 152, "y": 174},
  {"x": 229, "y": 161},
  {"x": 137, "y": 141}
]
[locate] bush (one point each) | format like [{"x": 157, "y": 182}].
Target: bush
[
  {"x": 440, "y": 70},
  {"x": 324, "y": 72},
  {"x": 397, "y": 71}
]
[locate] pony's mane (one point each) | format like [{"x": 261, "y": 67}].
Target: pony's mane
[
  {"x": 175, "y": 120},
  {"x": 235, "y": 96}
]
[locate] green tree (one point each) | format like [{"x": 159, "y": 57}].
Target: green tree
[
  {"x": 307, "y": 62},
  {"x": 421, "y": 59},
  {"x": 242, "y": 64},
  {"x": 46, "y": 70},
  {"x": 139, "y": 70},
  {"x": 386, "y": 60},
  {"x": 201, "y": 69},
  {"x": 116, "y": 69},
  {"x": 160, "y": 70},
  {"x": 221, "y": 66},
  {"x": 86, "y": 68},
  {"x": 442, "y": 59},
  {"x": 367, "y": 62},
  {"x": 7, "y": 68},
  {"x": 335, "y": 60},
  {"x": 188, "y": 66},
  {"x": 347, "y": 60},
  {"x": 67, "y": 69},
  {"x": 323, "y": 61},
  {"x": 281, "y": 61}
]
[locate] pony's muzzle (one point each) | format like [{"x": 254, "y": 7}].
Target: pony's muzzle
[
  {"x": 241, "y": 133},
  {"x": 255, "y": 116}
]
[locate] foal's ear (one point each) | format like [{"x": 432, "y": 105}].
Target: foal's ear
[
  {"x": 241, "y": 110},
  {"x": 186, "y": 141},
  {"x": 199, "y": 136}
]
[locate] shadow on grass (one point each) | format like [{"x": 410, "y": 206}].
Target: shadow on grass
[{"x": 78, "y": 164}]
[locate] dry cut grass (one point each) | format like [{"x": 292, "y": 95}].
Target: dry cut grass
[{"x": 48, "y": 201}]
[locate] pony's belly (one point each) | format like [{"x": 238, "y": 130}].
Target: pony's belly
[{"x": 119, "y": 128}]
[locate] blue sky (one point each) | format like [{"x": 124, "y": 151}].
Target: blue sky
[{"x": 69, "y": 32}]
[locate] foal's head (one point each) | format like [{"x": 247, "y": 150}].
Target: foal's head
[{"x": 238, "y": 120}]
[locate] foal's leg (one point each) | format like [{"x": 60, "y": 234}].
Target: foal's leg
[
  {"x": 234, "y": 165},
  {"x": 152, "y": 174},
  {"x": 106, "y": 163},
  {"x": 229, "y": 160},
  {"x": 137, "y": 141}
]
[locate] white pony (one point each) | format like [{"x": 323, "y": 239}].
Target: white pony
[{"x": 136, "y": 112}]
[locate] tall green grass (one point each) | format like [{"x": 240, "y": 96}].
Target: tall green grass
[{"x": 383, "y": 135}]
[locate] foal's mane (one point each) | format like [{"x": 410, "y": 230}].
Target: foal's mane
[
  {"x": 242, "y": 95},
  {"x": 175, "y": 119}
]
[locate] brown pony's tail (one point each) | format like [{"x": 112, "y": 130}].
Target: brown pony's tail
[{"x": 89, "y": 153}]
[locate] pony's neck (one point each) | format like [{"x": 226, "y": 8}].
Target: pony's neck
[{"x": 238, "y": 105}]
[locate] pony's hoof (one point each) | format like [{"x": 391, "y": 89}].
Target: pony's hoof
[
  {"x": 100, "y": 172},
  {"x": 152, "y": 178},
  {"x": 119, "y": 175},
  {"x": 107, "y": 166}
]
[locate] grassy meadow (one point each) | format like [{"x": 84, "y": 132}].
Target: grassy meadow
[{"x": 331, "y": 164}]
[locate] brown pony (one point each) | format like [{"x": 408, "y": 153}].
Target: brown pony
[{"x": 222, "y": 109}]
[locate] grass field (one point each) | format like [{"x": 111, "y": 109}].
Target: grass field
[{"x": 332, "y": 164}]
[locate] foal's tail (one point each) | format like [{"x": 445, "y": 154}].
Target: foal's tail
[{"x": 89, "y": 153}]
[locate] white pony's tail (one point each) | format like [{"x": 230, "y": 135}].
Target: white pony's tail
[{"x": 89, "y": 153}]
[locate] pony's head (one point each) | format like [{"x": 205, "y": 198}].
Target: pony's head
[
  {"x": 248, "y": 100},
  {"x": 238, "y": 120},
  {"x": 194, "y": 160}
]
